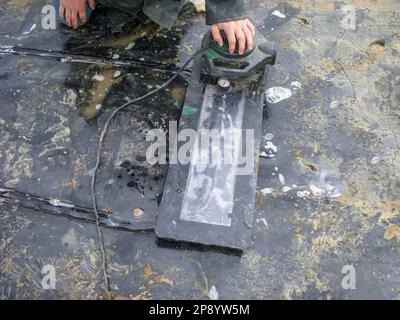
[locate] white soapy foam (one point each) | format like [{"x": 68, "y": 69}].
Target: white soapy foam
[
  {"x": 266, "y": 191},
  {"x": 286, "y": 189},
  {"x": 281, "y": 178},
  {"x": 303, "y": 194},
  {"x": 264, "y": 221},
  {"x": 277, "y": 94},
  {"x": 278, "y": 14},
  {"x": 263, "y": 154},
  {"x": 98, "y": 77},
  {"x": 332, "y": 191},
  {"x": 270, "y": 146},
  {"x": 316, "y": 191},
  {"x": 268, "y": 136},
  {"x": 296, "y": 85},
  {"x": 213, "y": 293}
]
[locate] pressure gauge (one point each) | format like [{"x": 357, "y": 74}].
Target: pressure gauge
[{"x": 224, "y": 84}]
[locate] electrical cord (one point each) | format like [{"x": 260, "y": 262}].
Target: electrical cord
[{"x": 96, "y": 167}]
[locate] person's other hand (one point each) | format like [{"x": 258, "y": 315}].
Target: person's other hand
[
  {"x": 72, "y": 10},
  {"x": 241, "y": 31}
]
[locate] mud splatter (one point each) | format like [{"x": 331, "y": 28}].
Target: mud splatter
[{"x": 392, "y": 231}]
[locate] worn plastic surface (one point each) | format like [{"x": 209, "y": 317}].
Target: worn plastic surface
[{"x": 338, "y": 129}]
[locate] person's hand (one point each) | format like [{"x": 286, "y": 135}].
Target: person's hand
[
  {"x": 72, "y": 10},
  {"x": 241, "y": 31}
]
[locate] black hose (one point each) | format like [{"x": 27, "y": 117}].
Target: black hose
[{"x": 101, "y": 140}]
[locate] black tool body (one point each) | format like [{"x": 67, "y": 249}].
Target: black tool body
[{"x": 210, "y": 199}]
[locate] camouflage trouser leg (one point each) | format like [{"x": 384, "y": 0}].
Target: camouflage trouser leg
[
  {"x": 162, "y": 12},
  {"x": 130, "y": 6}
]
